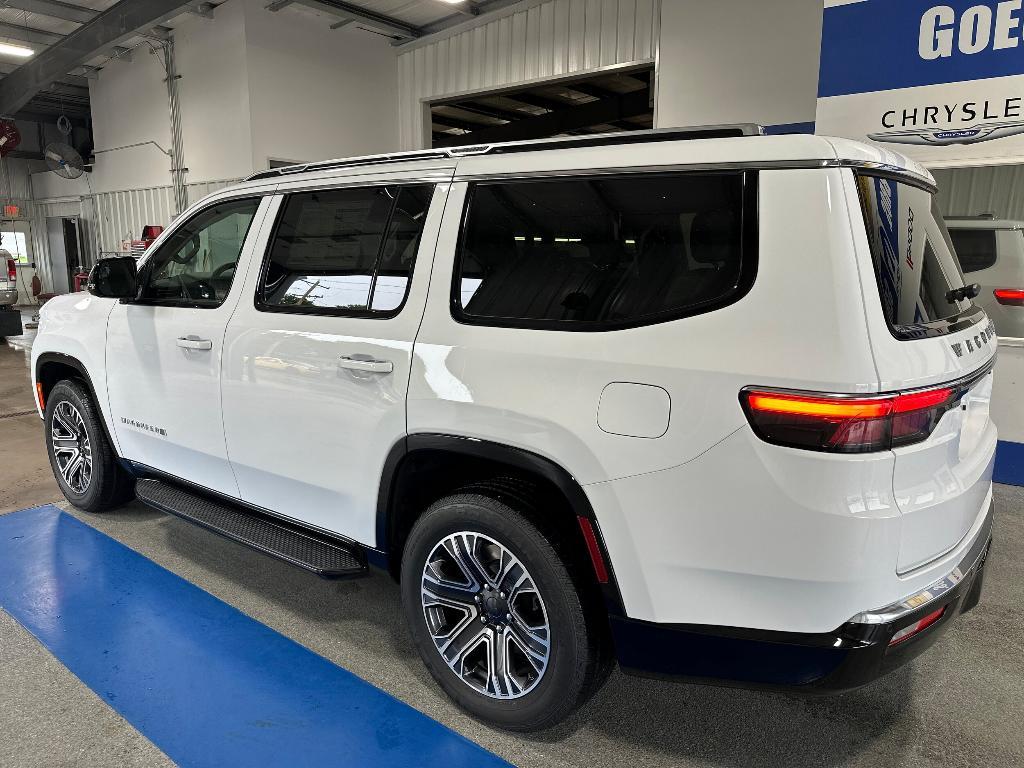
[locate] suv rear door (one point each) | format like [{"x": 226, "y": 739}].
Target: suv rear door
[{"x": 924, "y": 333}]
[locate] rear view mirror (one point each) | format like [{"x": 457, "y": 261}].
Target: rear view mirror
[{"x": 114, "y": 278}]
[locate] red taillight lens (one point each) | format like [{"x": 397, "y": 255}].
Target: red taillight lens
[
  {"x": 842, "y": 424},
  {"x": 12, "y": 271},
  {"x": 918, "y": 626},
  {"x": 1012, "y": 297}
]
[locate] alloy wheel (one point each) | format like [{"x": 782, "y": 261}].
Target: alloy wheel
[
  {"x": 72, "y": 450},
  {"x": 485, "y": 615}
]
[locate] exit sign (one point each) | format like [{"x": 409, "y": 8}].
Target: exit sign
[{"x": 11, "y": 211}]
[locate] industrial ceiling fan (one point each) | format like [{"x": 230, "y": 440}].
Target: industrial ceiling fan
[{"x": 64, "y": 160}]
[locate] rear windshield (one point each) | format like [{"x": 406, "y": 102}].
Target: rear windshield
[{"x": 915, "y": 266}]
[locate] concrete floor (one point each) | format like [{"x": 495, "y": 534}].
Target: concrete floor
[{"x": 959, "y": 704}]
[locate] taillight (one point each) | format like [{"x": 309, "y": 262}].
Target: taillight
[
  {"x": 845, "y": 424},
  {"x": 1012, "y": 297},
  {"x": 12, "y": 271},
  {"x": 918, "y": 626}
]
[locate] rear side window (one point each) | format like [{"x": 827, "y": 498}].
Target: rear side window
[
  {"x": 345, "y": 251},
  {"x": 915, "y": 266},
  {"x": 975, "y": 248},
  {"x": 600, "y": 253}
]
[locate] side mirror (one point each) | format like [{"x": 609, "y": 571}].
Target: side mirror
[{"x": 114, "y": 278}]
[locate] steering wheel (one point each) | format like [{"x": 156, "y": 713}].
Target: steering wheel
[
  {"x": 193, "y": 286},
  {"x": 221, "y": 269}
]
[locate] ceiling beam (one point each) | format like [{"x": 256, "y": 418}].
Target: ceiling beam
[
  {"x": 202, "y": 9},
  {"x": 42, "y": 117},
  {"x": 29, "y": 34},
  {"x": 479, "y": 8},
  {"x": 78, "y": 80},
  {"x": 485, "y": 110},
  {"x": 54, "y": 9},
  {"x": 110, "y": 28},
  {"x": 66, "y": 89},
  {"x": 553, "y": 123},
  {"x": 376, "y": 21}
]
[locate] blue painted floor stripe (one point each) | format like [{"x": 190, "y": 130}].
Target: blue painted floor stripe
[
  {"x": 204, "y": 682},
  {"x": 1009, "y": 463}
]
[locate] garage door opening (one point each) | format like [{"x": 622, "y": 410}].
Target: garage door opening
[{"x": 600, "y": 103}]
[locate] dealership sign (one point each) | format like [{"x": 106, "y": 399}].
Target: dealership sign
[{"x": 943, "y": 83}]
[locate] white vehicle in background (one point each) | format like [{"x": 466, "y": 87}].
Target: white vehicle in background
[
  {"x": 10, "y": 318},
  {"x": 991, "y": 254},
  {"x": 709, "y": 403}
]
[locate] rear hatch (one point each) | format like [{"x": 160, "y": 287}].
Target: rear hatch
[{"x": 927, "y": 334}]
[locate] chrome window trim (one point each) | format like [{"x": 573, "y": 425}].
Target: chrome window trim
[{"x": 753, "y": 165}]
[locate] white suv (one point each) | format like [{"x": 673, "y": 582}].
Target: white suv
[
  {"x": 991, "y": 252},
  {"x": 713, "y": 404}
]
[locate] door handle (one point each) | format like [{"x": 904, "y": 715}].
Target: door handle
[
  {"x": 368, "y": 366},
  {"x": 194, "y": 342}
]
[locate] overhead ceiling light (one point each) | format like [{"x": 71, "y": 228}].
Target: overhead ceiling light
[
  {"x": 453, "y": 2},
  {"x": 15, "y": 50}
]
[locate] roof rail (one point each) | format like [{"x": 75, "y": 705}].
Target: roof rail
[
  {"x": 971, "y": 216},
  {"x": 689, "y": 133}
]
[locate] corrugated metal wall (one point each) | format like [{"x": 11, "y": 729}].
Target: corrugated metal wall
[
  {"x": 997, "y": 189},
  {"x": 122, "y": 215},
  {"x": 105, "y": 219},
  {"x": 531, "y": 41}
]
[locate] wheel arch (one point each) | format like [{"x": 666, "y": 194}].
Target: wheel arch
[
  {"x": 422, "y": 468},
  {"x": 53, "y": 367}
]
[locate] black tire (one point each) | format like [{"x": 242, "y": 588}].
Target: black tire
[
  {"x": 577, "y": 662},
  {"x": 108, "y": 485}
]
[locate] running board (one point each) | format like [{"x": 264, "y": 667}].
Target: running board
[{"x": 320, "y": 554}]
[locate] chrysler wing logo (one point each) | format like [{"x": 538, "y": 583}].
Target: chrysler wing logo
[{"x": 944, "y": 137}]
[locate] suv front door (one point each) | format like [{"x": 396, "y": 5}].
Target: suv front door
[
  {"x": 317, "y": 356},
  {"x": 164, "y": 349}
]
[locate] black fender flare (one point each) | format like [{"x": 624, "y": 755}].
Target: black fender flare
[
  {"x": 499, "y": 453},
  {"x": 77, "y": 365}
]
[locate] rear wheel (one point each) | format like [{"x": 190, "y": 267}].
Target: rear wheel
[
  {"x": 83, "y": 461},
  {"x": 496, "y": 615}
]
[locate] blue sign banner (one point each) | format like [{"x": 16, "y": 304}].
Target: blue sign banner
[{"x": 881, "y": 45}]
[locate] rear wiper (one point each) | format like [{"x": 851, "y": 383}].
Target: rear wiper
[{"x": 962, "y": 294}]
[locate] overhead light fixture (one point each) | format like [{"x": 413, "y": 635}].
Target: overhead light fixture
[
  {"x": 15, "y": 50},
  {"x": 453, "y": 2}
]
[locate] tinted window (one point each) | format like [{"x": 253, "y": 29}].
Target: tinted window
[
  {"x": 345, "y": 251},
  {"x": 975, "y": 248},
  {"x": 595, "y": 253},
  {"x": 195, "y": 266},
  {"x": 913, "y": 256}
]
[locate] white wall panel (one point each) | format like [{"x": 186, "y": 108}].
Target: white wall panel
[
  {"x": 734, "y": 61},
  {"x": 528, "y": 42}
]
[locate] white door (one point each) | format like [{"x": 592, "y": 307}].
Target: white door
[
  {"x": 316, "y": 368},
  {"x": 164, "y": 350}
]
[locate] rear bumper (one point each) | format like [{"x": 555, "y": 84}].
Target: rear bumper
[
  {"x": 855, "y": 654},
  {"x": 8, "y": 296}
]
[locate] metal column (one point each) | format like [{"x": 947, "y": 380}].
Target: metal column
[{"x": 178, "y": 169}]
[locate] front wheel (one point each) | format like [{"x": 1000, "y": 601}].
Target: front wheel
[
  {"x": 83, "y": 461},
  {"x": 496, "y": 615}
]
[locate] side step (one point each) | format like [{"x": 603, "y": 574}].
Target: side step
[{"x": 322, "y": 555}]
